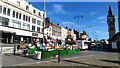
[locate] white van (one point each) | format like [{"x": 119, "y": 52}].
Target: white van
[{"x": 82, "y": 44}]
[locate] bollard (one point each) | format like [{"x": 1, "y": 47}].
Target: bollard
[
  {"x": 1, "y": 49},
  {"x": 58, "y": 56},
  {"x": 14, "y": 50}
]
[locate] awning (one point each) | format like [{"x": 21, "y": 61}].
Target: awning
[{"x": 8, "y": 32}]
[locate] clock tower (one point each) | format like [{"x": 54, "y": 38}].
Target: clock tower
[{"x": 111, "y": 23}]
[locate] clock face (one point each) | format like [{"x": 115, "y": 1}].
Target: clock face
[{"x": 111, "y": 19}]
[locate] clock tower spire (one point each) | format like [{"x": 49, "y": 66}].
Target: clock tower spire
[{"x": 111, "y": 23}]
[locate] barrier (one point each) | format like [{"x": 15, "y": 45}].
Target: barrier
[{"x": 55, "y": 52}]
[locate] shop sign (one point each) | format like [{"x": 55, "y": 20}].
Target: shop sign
[{"x": 34, "y": 34}]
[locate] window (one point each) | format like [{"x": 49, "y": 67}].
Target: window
[
  {"x": 19, "y": 15},
  {"x": 26, "y": 26},
  {"x": 4, "y": 21},
  {"x": 29, "y": 19},
  {"x": 111, "y": 29},
  {"x": 42, "y": 30},
  {"x": 33, "y": 20},
  {"x": 18, "y": 3},
  {"x": 38, "y": 29},
  {"x": 38, "y": 22},
  {"x": 24, "y": 17},
  {"x": 16, "y": 14},
  {"x": 13, "y": 13},
  {"x": 33, "y": 28},
  {"x": 34, "y": 11},
  {"x": 50, "y": 29},
  {"x": 50, "y": 34},
  {"x": 0, "y": 9},
  {"x": 16, "y": 24},
  {"x": 39, "y": 13},
  {"x": 4, "y": 10},
  {"x": 8, "y": 12},
  {"x": 27, "y": 8}
]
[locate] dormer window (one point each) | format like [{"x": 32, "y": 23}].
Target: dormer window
[
  {"x": 39, "y": 13},
  {"x": 27, "y": 8},
  {"x": 34, "y": 11},
  {"x": 18, "y": 3}
]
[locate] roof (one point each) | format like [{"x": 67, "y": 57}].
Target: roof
[{"x": 117, "y": 34}]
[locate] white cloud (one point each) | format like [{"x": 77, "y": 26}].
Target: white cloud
[
  {"x": 66, "y": 24},
  {"x": 102, "y": 21},
  {"x": 58, "y": 8},
  {"x": 101, "y": 17},
  {"x": 101, "y": 32},
  {"x": 80, "y": 13},
  {"x": 92, "y": 13}
]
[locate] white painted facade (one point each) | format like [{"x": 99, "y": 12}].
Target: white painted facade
[
  {"x": 64, "y": 33},
  {"x": 22, "y": 18},
  {"x": 49, "y": 31}
]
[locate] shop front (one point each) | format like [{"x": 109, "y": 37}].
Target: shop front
[{"x": 7, "y": 36}]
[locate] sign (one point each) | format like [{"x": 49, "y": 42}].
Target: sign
[
  {"x": 114, "y": 45},
  {"x": 34, "y": 34}
]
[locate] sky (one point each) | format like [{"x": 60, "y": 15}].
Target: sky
[{"x": 94, "y": 15}]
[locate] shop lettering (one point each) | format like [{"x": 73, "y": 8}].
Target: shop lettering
[{"x": 34, "y": 34}]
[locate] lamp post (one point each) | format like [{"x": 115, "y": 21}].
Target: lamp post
[
  {"x": 94, "y": 33},
  {"x": 44, "y": 6},
  {"x": 88, "y": 27},
  {"x": 78, "y": 17}
]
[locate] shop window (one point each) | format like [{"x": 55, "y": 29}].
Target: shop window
[
  {"x": 5, "y": 21},
  {"x": 16, "y": 24},
  {"x": 38, "y": 29},
  {"x": 33, "y": 28},
  {"x": 19, "y": 15},
  {"x": 33, "y": 20},
  {"x": 4, "y": 10},
  {"x": 13, "y": 13},
  {"x": 26, "y": 26},
  {"x": 8, "y": 12},
  {"x": 16, "y": 14},
  {"x": 0, "y": 9}
]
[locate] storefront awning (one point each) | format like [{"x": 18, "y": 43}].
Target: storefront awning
[{"x": 8, "y": 32}]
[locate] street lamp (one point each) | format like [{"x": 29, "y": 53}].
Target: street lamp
[
  {"x": 44, "y": 6},
  {"x": 95, "y": 33},
  {"x": 78, "y": 17}
]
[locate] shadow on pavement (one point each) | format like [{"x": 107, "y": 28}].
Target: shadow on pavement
[
  {"x": 112, "y": 61},
  {"x": 81, "y": 63}
]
